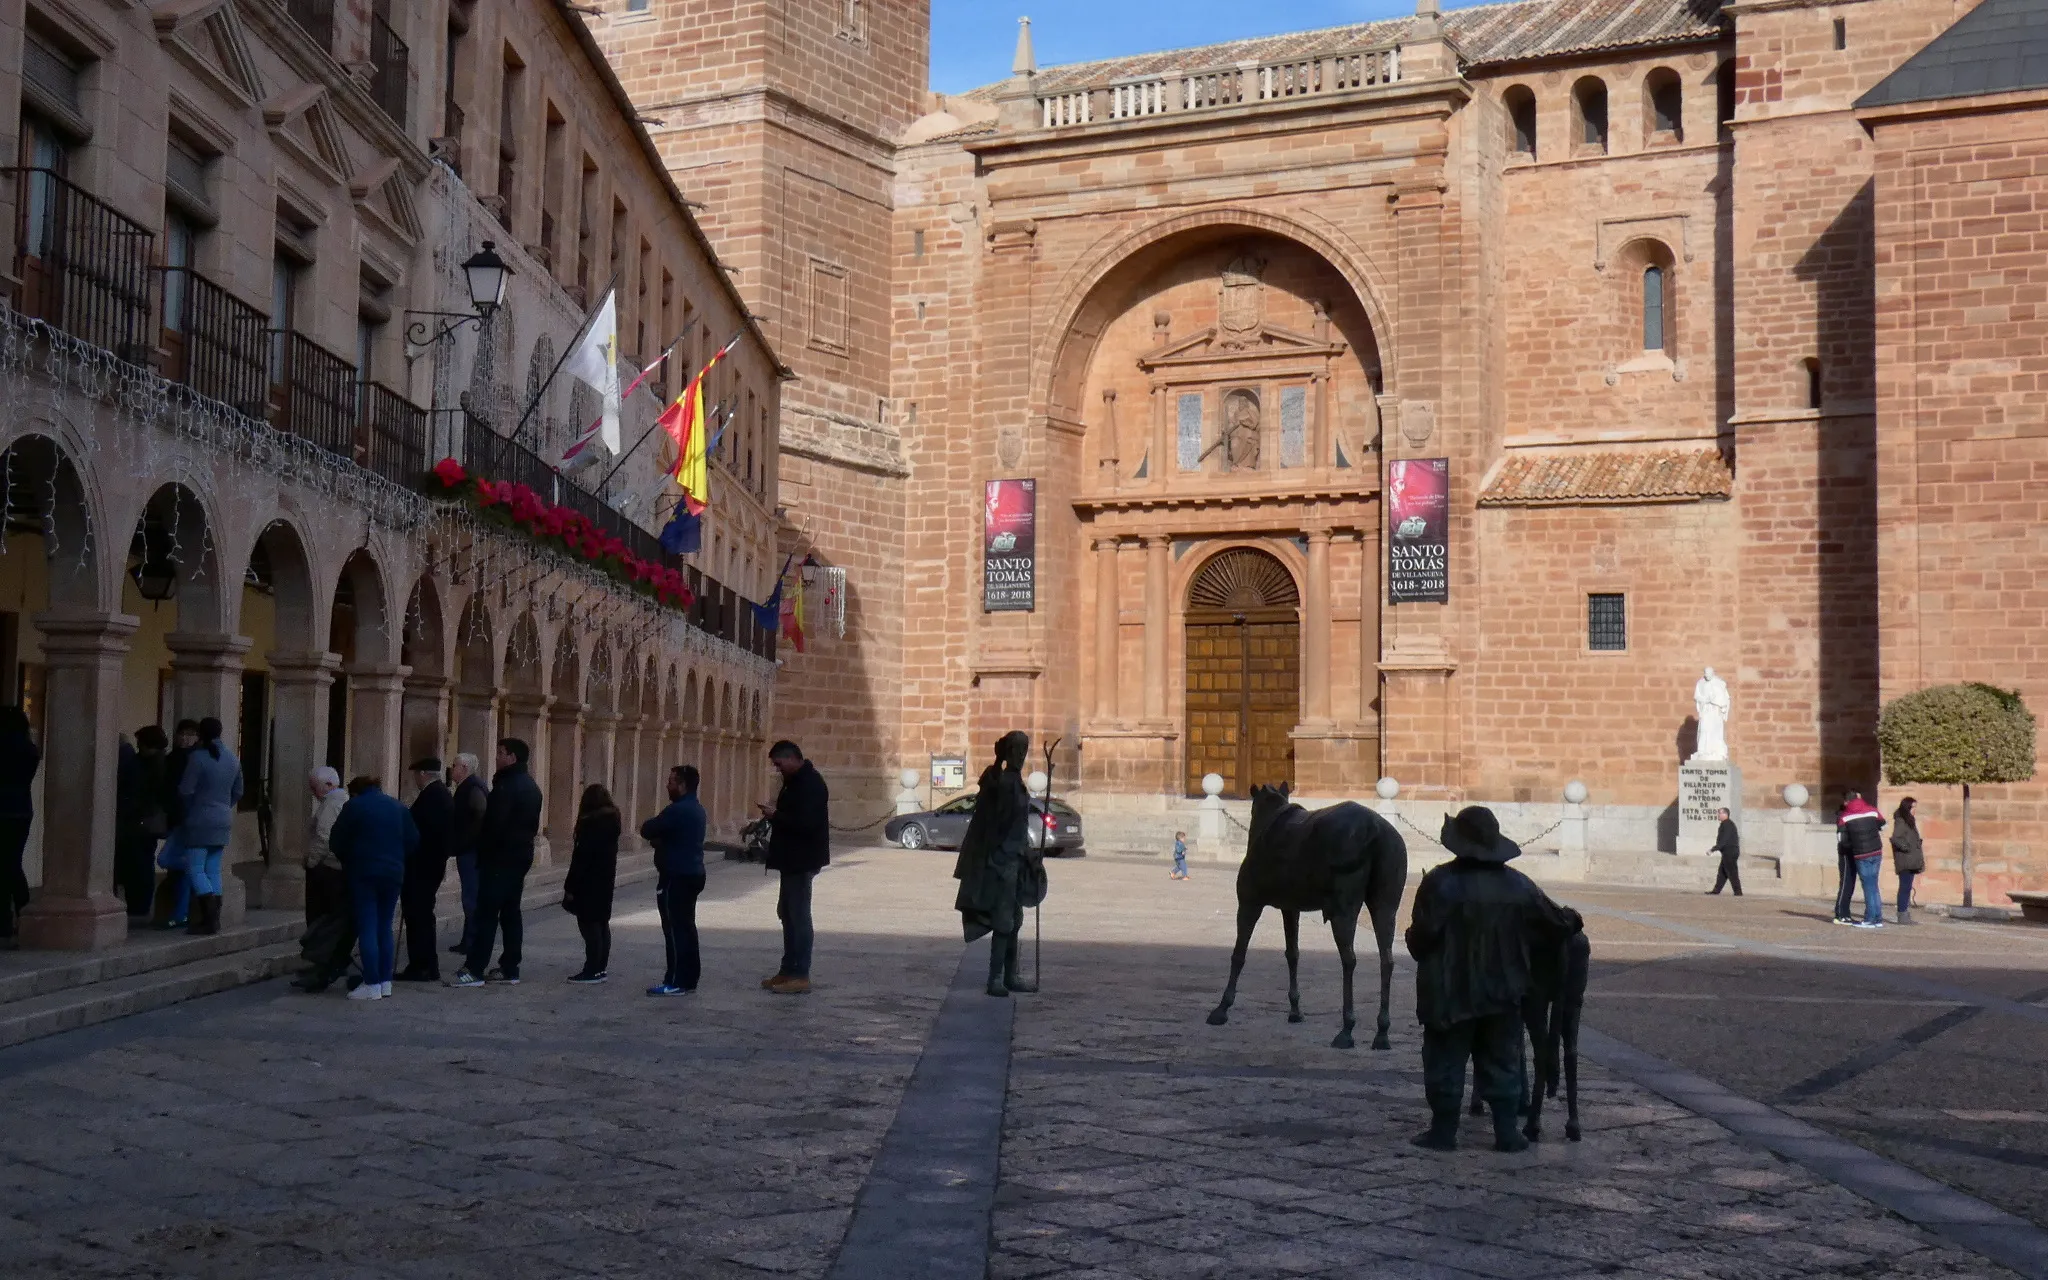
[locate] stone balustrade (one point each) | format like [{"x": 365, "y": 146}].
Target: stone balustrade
[{"x": 1207, "y": 88}]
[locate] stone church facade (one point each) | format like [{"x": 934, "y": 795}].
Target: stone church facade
[{"x": 1640, "y": 280}]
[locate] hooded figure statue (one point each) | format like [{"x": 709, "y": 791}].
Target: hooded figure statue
[
  {"x": 999, "y": 872},
  {"x": 1475, "y": 922}
]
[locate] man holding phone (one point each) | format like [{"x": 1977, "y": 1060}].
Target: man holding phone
[{"x": 799, "y": 846}]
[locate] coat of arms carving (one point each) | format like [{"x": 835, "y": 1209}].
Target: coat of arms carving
[{"x": 1242, "y": 302}]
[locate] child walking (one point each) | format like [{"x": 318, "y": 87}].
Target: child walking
[{"x": 1180, "y": 856}]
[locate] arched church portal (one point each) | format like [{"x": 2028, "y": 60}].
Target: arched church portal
[{"x": 1243, "y": 671}]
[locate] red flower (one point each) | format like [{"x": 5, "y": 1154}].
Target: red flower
[{"x": 450, "y": 473}]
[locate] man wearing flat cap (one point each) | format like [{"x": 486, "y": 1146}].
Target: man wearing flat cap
[{"x": 1476, "y": 921}]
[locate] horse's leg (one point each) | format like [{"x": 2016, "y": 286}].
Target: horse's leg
[
  {"x": 1248, "y": 914},
  {"x": 1290, "y": 920},
  {"x": 1568, "y": 1014},
  {"x": 1535, "y": 1021},
  {"x": 1383, "y": 921},
  {"x": 1344, "y": 928}
]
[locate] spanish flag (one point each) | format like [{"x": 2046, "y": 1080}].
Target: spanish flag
[{"x": 684, "y": 423}]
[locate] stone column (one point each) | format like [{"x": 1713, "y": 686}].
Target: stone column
[
  {"x": 525, "y": 719},
  {"x": 206, "y": 678},
  {"x": 1369, "y": 628},
  {"x": 1106, "y": 627},
  {"x": 565, "y": 766},
  {"x": 476, "y": 725},
  {"x": 300, "y": 684},
  {"x": 1157, "y": 571},
  {"x": 1315, "y": 631},
  {"x": 375, "y": 696},
  {"x": 625, "y": 784},
  {"x": 76, "y": 909},
  {"x": 600, "y": 741},
  {"x": 424, "y": 717}
]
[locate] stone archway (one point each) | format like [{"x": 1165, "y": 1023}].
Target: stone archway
[{"x": 1243, "y": 658}]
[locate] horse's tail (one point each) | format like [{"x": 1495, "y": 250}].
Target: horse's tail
[{"x": 1389, "y": 870}]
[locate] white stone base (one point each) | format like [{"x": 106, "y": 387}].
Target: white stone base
[{"x": 1704, "y": 789}]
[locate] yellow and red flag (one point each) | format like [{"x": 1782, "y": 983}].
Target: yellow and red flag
[{"x": 684, "y": 423}]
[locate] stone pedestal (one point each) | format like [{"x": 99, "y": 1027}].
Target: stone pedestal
[{"x": 1704, "y": 789}]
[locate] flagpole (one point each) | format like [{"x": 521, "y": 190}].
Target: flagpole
[
  {"x": 665, "y": 352},
  {"x": 561, "y": 360},
  {"x": 720, "y": 406}
]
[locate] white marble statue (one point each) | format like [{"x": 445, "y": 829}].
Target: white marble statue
[{"x": 1710, "y": 703}]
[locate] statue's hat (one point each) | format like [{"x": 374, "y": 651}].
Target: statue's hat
[{"x": 1475, "y": 833}]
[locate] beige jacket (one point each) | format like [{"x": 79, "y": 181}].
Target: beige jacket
[{"x": 325, "y": 810}]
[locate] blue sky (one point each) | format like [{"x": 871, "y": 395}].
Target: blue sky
[{"x": 974, "y": 40}]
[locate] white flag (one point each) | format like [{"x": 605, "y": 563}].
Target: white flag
[{"x": 596, "y": 362}]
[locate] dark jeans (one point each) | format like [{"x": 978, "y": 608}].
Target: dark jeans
[
  {"x": 793, "y": 908},
  {"x": 465, "y": 870},
  {"x": 498, "y": 890},
  {"x": 376, "y": 901},
  {"x": 423, "y": 878},
  {"x": 1728, "y": 875},
  {"x": 1846, "y": 867},
  {"x": 327, "y": 895},
  {"x": 1494, "y": 1043},
  {"x": 676, "y": 898},
  {"x": 1873, "y": 897},
  {"x": 1905, "y": 891},
  {"x": 13, "y": 882},
  {"x": 597, "y": 942},
  {"x": 135, "y": 870}
]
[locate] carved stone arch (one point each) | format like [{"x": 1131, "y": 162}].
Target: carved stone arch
[
  {"x": 650, "y": 689},
  {"x": 672, "y": 695},
  {"x": 1081, "y": 292},
  {"x": 725, "y": 706},
  {"x": 174, "y": 527},
  {"x": 360, "y": 625},
  {"x": 424, "y": 640},
  {"x": 600, "y": 680},
  {"x": 754, "y": 714},
  {"x": 278, "y": 556},
  {"x": 45, "y": 488},
  {"x": 565, "y": 673},
  {"x": 522, "y": 670},
  {"x": 691, "y": 713},
  {"x": 1243, "y": 580},
  {"x": 476, "y": 645},
  {"x": 1200, "y": 557},
  {"x": 626, "y": 681}
]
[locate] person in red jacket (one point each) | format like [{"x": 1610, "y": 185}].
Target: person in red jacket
[{"x": 1860, "y": 839}]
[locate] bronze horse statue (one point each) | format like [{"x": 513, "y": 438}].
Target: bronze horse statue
[
  {"x": 1550, "y": 1015},
  {"x": 1335, "y": 861}
]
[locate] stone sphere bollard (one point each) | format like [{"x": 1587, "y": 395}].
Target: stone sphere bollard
[
  {"x": 907, "y": 800},
  {"x": 1209, "y": 815},
  {"x": 1212, "y": 785},
  {"x": 1795, "y": 795},
  {"x": 1575, "y": 792},
  {"x": 1387, "y": 788},
  {"x": 1571, "y": 827},
  {"x": 907, "y": 779},
  {"x": 1036, "y": 781}
]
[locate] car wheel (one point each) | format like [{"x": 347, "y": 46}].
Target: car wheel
[{"x": 912, "y": 837}]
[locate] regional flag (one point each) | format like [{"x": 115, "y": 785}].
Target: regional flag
[
  {"x": 684, "y": 423},
  {"x": 793, "y": 611}
]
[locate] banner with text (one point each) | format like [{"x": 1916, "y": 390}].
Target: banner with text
[
  {"x": 1419, "y": 531},
  {"x": 1009, "y": 581}
]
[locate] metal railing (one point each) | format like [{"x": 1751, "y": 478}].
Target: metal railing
[
  {"x": 390, "y": 58},
  {"x": 394, "y": 433},
  {"x": 1205, "y": 88},
  {"x": 214, "y": 342},
  {"x": 312, "y": 393},
  {"x": 316, "y": 18},
  {"x": 84, "y": 267}
]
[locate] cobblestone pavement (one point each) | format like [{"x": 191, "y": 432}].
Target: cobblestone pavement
[{"x": 555, "y": 1130}]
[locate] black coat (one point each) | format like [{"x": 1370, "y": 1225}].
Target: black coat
[
  {"x": 1907, "y": 855},
  {"x": 800, "y": 837},
  {"x": 466, "y": 821},
  {"x": 1727, "y": 840},
  {"x": 999, "y": 872},
  {"x": 593, "y": 866},
  {"x": 19, "y": 759},
  {"x": 511, "y": 821},
  {"x": 433, "y": 812},
  {"x": 1475, "y": 924}
]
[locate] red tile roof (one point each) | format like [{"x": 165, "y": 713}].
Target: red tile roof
[{"x": 1548, "y": 478}]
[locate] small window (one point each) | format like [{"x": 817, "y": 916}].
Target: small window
[
  {"x": 1653, "y": 309},
  {"x": 1724, "y": 95},
  {"x": 50, "y": 69},
  {"x": 1811, "y": 368},
  {"x": 920, "y": 310},
  {"x": 1666, "y": 103},
  {"x": 636, "y": 6},
  {"x": 1589, "y": 104},
  {"x": 917, "y": 244},
  {"x": 1520, "y": 102},
  {"x": 1293, "y": 426},
  {"x": 1841, "y": 33},
  {"x": 1607, "y": 622}
]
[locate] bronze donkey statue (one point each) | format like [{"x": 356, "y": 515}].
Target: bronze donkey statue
[{"x": 1335, "y": 861}]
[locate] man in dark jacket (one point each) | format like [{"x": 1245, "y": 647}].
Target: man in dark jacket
[
  {"x": 1475, "y": 923},
  {"x": 1727, "y": 843},
  {"x": 472, "y": 799},
  {"x": 677, "y": 834},
  {"x": 433, "y": 812},
  {"x": 504, "y": 854},
  {"x": 1861, "y": 843},
  {"x": 374, "y": 837},
  {"x": 799, "y": 847}
]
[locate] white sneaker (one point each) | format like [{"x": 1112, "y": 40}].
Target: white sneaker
[
  {"x": 368, "y": 991},
  {"x": 384, "y": 987}
]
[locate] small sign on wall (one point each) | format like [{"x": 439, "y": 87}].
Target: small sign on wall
[
  {"x": 1009, "y": 581},
  {"x": 1419, "y": 531},
  {"x": 949, "y": 773}
]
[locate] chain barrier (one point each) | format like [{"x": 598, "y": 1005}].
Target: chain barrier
[
  {"x": 866, "y": 826},
  {"x": 1427, "y": 838}
]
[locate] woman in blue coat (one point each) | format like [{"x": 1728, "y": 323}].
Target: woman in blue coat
[{"x": 210, "y": 788}]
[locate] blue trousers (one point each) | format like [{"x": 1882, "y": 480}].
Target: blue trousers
[
  {"x": 1873, "y": 897},
  {"x": 465, "y": 871},
  {"x": 375, "y": 902},
  {"x": 202, "y": 868}
]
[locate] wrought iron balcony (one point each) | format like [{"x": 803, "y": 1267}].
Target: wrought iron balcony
[
  {"x": 316, "y": 18},
  {"x": 213, "y": 342},
  {"x": 1169, "y": 93},
  {"x": 312, "y": 393},
  {"x": 84, "y": 267},
  {"x": 393, "y": 435},
  {"x": 390, "y": 58}
]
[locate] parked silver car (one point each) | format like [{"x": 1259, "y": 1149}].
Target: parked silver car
[{"x": 1054, "y": 827}]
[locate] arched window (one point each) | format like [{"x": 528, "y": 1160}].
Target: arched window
[
  {"x": 1589, "y": 111},
  {"x": 1811, "y": 368},
  {"x": 1724, "y": 95},
  {"x": 1664, "y": 106},
  {"x": 1521, "y": 106},
  {"x": 1653, "y": 308}
]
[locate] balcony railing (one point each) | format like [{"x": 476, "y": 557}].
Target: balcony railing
[
  {"x": 316, "y": 17},
  {"x": 84, "y": 267},
  {"x": 213, "y": 342},
  {"x": 390, "y": 58},
  {"x": 394, "y": 433},
  {"x": 483, "y": 452},
  {"x": 312, "y": 393},
  {"x": 1205, "y": 88}
]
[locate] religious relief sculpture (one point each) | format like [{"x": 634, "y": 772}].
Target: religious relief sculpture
[
  {"x": 1711, "y": 704},
  {"x": 1240, "y": 309},
  {"x": 1238, "y": 436}
]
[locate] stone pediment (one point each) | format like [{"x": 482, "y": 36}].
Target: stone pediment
[{"x": 1262, "y": 343}]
